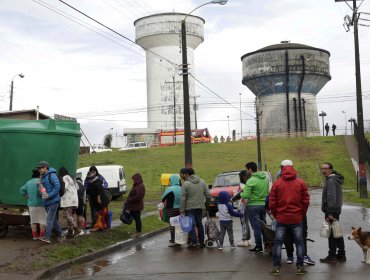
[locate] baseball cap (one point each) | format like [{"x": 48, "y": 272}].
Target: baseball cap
[
  {"x": 287, "y": 162},
  {"x": 42, "y": 164}
]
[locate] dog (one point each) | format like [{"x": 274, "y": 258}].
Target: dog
[{"x": 363, "y": 240}]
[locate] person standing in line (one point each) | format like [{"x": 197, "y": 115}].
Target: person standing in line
[
  {"x": 195, "y": 197},
  {"x": 331, "y": 205},
  {"x": 288, "y": 203},
  {"x": 35, "y": 205},
  {"x": 244, "y": 221},
  {"x": 225, "y": 213},
  {"x": 327, "y": 128},
  {"x": 256, "y": 191},
  {"x": 99, "y": 201},
  {"x": 81, "y": 193},
  {"x": 50, "y": 181},
  {"x": 69, "y": 202},
  {"x": 333, "y": 128},
  {"x": 172, "y": 199},
  {"x": 87, "y": 185},
  {"x": 135, "y": 202}
]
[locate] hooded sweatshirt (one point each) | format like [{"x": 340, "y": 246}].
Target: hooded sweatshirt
[
  {"x": 173, "y": 193},
  {"x": 289, "y": 198},
  {"x": 135, "y": 199},
  {"x": 256, "y": 189},
  {"x": 225, "y": 210},
  {"x": 194, "y": 194},
  {"x": 332, "y": 194}
]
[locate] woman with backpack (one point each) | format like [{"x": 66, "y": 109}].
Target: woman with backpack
[{"x": 69, "y": 202}]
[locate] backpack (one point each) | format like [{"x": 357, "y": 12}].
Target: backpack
[{"x": 61, "y": 183}]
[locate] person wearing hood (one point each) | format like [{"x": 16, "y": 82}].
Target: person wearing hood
[
  {"x": 51, "y": 183},
  {"x": 99, "y": 201},
  {"x": 135, "y": 202},
  {"x": 331, "y": 205},
  {"x": 225, "y": 213},
  {"x": 195, "y": 197},
  {"x": 255, "y": 192},
  {"x": 171, "y": 197},
  {"x": 288, "y": 203}
]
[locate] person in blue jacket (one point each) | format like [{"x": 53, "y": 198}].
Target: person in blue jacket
[
  {"x": 171, "y": 197},
  {"x": 50, "y": 181},
  {"x": 225, "y": 213}
]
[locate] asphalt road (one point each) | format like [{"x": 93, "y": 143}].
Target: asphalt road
[{"x": 152, "y": 259}]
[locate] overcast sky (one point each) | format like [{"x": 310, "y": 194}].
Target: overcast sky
[{"x": 76, "y": 68}]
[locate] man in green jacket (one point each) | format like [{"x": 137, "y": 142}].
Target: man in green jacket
[
  {"x": 194, "y": 198},
  {"x": 255, "y": 192}
]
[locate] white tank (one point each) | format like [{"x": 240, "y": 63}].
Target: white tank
[{"x": 160, "y": 34}]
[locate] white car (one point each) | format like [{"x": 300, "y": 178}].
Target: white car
[
  {"x": 99, "y": 149},
  {"x": 135, "y": 145}
]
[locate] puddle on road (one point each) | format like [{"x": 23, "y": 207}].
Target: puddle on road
[{"x": 91, "y": 268}]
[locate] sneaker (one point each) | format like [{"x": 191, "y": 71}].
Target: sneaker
[
  {"x": 192, "y": 246},
  {"x": 61, "y": 238},
  {"x": 35, "y": 238},
  {"x": 290, "y": 260},
  {"x": 243, "y": 243},
  {"x": 275, "y": 271},
  {"x": 81, "y": 233},
  {"x": 136, "y": 235},
  {"x": 301, "y": 270},
  {"x": 220, "y": 248},
  {"x": 307, "y": 260},
  {"x": 256, "y": 250},
  {"x": 45, "y": 240},
  {"x": 341, "y": 258},
  {"x": 232, "y": 246},
  {"x": 173, "y": 244},
  {"x": 329, "y": 259},
  {"x": 202, "y": 245}
]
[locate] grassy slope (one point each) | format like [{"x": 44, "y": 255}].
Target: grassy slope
[{"x": 211, "y": 159}]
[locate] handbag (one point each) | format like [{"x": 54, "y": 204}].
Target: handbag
[
  {"x": 325, "y": 230},
  {"x": 126, "y": 216}
]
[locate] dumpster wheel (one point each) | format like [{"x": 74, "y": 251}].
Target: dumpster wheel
[{"x": 3, "y": 228}]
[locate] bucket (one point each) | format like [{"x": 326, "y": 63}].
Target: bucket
[
  {"x": 181, "y": 237},
  {"x": 109, "y": 218}
]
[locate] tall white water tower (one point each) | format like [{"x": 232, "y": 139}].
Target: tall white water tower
[{"x": 160, "y": 36}]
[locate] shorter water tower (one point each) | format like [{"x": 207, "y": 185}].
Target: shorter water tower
[{"x": 286, "y": 78}]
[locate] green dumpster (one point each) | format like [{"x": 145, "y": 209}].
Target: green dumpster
[{"x": 23, "y": 143}]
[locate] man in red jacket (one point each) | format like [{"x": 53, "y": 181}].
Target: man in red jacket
[{"x": 288, "y": 203}]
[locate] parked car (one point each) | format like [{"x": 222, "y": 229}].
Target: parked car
[
  {"x": 99, "y": 149},
  {"x": 113, "y": 174},
  {"x": 230, "y": 182},
  {"x": 135, "y": 145}
]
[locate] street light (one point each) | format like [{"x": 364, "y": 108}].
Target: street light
[
  {"x": 228, "y": 125},
  {"x": 322, "y": 115},
  {"x": 12, "y": 89},
  {"x": 345, "y": 122},
  {"x": 185, "y": 80}
]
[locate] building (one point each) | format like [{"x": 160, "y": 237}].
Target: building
[
  {"x": 24, "y": 115},
  {"x": 286, "y": 78}
]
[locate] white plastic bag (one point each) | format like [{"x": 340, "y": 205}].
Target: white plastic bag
[
  {"x": 336, "y": 227},
  {"x": 325, "y": 230}
]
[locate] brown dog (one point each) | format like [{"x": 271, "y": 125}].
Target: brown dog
[{"x": 363, "y": 240}]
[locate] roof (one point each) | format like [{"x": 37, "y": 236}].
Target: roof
[
  {"x": 285, "y": 46},
  {"x": 14, "y": 114}
]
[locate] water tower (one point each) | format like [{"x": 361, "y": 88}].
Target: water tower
[
  {"x": 160, "y": 34},
  {"x": 286, "y": 78}
]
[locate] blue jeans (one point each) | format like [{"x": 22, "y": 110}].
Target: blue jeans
[
  {"x": 51, "y": 221},
  {"x": 256, "y": 214},
  {"x": 296, "y": 230},
  {"x": 196, "y": 216}
]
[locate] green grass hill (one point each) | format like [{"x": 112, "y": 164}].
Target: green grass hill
[{"x": 307, "y": 154}]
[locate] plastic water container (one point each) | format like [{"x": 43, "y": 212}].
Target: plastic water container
[
  {"x": 181, "y": 237},
  {"x": 336, "y": 227},
  {"x": 174, "y": 221},
  {"x": 325, "y": 230},
  {"x": 109, "y": 218}
]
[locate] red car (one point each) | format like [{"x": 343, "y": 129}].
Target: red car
[{"x": 229, "y": 182}]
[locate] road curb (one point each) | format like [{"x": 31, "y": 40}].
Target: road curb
[{"x": 49, "y": 272}]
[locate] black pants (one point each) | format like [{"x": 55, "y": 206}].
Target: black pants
[
  {"x": 137, "y": 217},
  {"x": 336, "y": 243}
]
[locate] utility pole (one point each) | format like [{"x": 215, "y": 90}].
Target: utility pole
[
  {"x": 258, "y": 134},
  {"x": 299, "y": 94},
  {"x": 174, "y": 104},
  {"x": 195, "y": 111},
  {"x": 360, "y": 120},
  {"x": 323, "y": 115}
]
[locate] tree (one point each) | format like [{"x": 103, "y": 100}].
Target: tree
[{"x": 108, "y": 140}]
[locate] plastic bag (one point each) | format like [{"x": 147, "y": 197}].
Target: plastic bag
[
  {"x": 186, "y": 223},
  {"x": 336, "y": 227},
  {"x": 325, "y": 230}
]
